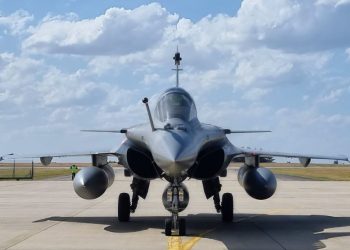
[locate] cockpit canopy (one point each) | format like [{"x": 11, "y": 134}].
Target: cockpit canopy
[{"x": 175, "y": 103}]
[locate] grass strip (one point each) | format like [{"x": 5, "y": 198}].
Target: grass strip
[
  {"x": 317, "y": 173},
  {"x": 39, "y": 173}
]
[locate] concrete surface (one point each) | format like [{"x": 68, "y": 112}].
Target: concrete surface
[{"x": 49, "y": 215}]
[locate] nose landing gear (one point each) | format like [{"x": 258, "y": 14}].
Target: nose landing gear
[{"x": 175, "y": 200}]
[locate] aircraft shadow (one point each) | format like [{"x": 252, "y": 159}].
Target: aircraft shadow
[{"x": 249, "y": 231}]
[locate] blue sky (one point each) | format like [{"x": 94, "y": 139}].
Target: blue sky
[
  {"x": 90, "y": 8},
  {"x": 70, "y": 65}
]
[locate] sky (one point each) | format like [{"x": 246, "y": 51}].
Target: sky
[{"x": 282, "y": 65}]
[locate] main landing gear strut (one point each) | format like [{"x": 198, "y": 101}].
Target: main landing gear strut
[
  {"x": 212, "y": 188},
  {"x": 125, "y": 207}
]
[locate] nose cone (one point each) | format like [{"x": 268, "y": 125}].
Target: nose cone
[
  {"x": 175, "y": 159},
  {"x": 173, "y": 154}
]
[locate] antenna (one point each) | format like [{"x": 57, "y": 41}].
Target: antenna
[
  {"x": 145, "y": 101},
  {"x": 177, "y": 58}
]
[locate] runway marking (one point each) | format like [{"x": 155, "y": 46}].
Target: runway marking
[{"x": 175, "y": 242}]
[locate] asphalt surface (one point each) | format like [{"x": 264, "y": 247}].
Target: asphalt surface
[{"x": 49, "y": 215}]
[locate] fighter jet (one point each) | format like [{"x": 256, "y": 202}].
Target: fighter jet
[{"x": 175, "y": 146}]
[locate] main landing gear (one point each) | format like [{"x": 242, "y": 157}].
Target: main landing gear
[
  {"x": 125, "y": 206},
  {"x": 212, "y": 188},
  {"x": 227, "y": 207}
]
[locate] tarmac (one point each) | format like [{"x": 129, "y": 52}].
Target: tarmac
[{"x": 49, "y": 215}]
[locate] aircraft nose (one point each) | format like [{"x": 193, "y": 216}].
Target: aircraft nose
[
  {"x": 174, "y": 156},
  {"x": 176, "y": 162}
]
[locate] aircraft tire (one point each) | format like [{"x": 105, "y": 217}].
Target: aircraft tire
[
  {"x": 168, "y": 224},
  {"x": 227, "y": 207},
  {"x": 182, "y": 227},
  {"x": 124, "y": 207}
]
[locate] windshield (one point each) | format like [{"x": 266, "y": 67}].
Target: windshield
[{"x": 175, "y": 105}]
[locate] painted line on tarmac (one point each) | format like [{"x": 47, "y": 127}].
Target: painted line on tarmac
[{"x": 175, "y": 242}]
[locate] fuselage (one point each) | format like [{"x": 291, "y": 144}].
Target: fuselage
[{"x": 179, "y": 140}]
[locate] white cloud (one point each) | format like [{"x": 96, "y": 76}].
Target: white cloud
[
  {"x": 41, "y": 103},
  {"x": 310, "y": 118},
  {"x": 301, "y": 26},
  {"x": 267, "y": 67},
  {"x": 267, "y": 42},
  {"x": 118, "y": 31},
  {"x": 332, "y": 96},
  {"x": 150, "y": 79},
  {"x": 27, "y": 85},
  {"x": 335, "y": 3},
  {"x": 292, "y": 25},
  {"x": 223, "y": 112},
  {"x": 338, "y": 119},
  {"x": 309, "y": 130},
  {"x": 262, "y": 66},
  {"x": 16, "y": 23},
  {"x": 61, "y": 114},
  {"x": 255, "y": 94},
  {"x": 206, "y": 80},
  {"x": 347, "y": 51},
  {"x": 306, "y": 97},
  {"x": 286, "y": 25},
  {"x": 16, "y": 71}
]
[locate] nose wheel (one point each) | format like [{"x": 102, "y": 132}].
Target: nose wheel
[
  {"x": 172, "y": 229},
  {"x": 168, "y": 226}
]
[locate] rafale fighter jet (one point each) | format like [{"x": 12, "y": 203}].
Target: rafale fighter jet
[{"x": 175, "y": 146}]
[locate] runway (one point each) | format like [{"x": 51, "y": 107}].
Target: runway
[{"x": 49, "y": 215}]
